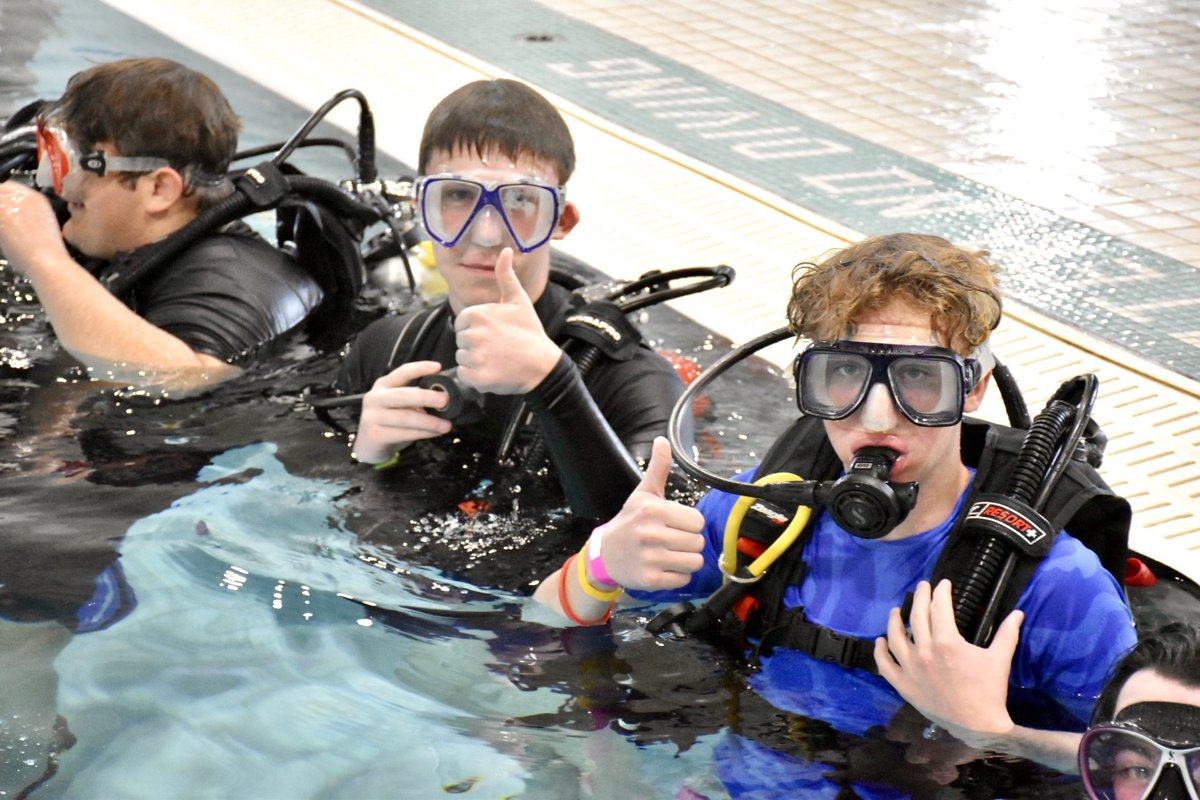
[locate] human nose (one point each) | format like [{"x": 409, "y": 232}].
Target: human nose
[
  {"x": 487, "y": 229},
  {"x": 879, "y": 412}
]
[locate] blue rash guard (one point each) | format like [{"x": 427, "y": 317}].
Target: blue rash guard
[{"x": 1077, "y": 624}]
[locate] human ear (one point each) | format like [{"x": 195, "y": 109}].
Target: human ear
[
  {"x": 567, "y": 220},
  {"x": 974, "y": 397},
  {"x": 164, "y": 187}
]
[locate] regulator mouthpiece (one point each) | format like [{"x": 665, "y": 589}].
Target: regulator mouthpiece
[{"x": 864, "y": 502}]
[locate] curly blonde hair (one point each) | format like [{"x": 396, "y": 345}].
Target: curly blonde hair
[{"x": 958, "y": 287}]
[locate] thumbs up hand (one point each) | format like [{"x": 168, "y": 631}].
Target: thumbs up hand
[
  {"x": 502, "y": 347},
  {"x": 654, "y": 543}
]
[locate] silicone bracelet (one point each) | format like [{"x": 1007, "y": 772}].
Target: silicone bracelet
[
  {"x": 596, "y": 594},
  {"x": 391, "y": 462},
  {"x": 595, "y": 561},
  {"x": 565, "y": 575}
]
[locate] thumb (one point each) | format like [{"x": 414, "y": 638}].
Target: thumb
[
  {"x": 655, "y": 479},
  {"x": 511, "y": 290}
]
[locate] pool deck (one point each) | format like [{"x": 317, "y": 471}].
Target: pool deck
[{"x": 765, "y": 132}]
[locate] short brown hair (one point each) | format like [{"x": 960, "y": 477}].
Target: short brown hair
[
  {"x": 153, "y": 107},
  {"x": 957, "y": 286},
  {"x": 502, "y": 114}
]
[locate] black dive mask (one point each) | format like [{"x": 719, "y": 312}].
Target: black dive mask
[
  {"x": 928, "y": 384},
  {"x": 1150, "y": 752}
]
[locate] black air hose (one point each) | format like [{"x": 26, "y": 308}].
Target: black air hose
[
  {"x": 122, "y": 279},
  {"x": 341, "y": 201},
  {"x": 234, "y": 207}
]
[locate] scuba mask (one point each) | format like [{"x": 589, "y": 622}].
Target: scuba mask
[
  {"x": 58, "y": 157},
  {"x": 1150, "y": 752},
  {"x": 928, "y": 384},
  {"x": 451, "y": 205}
]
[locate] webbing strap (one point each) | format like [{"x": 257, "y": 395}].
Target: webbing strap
[{"x": 797, "y": 633}]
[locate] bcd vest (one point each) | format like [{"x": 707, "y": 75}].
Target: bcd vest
[{"x": 1081, "y": 503}]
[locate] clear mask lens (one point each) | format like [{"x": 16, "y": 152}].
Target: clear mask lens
[
  {"x": 927, "y": 384},
  {"x": 56, "y": 155},
  {"x": 1121, "y": 764},
  {"x": 450, "y": 206}
]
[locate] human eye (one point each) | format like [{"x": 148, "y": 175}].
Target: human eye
[
  {"x": 917, "y": 372},
  {"x": 847, "y": 369},
  {"x": 521, "y": 199},
  {"x": 1133, "y": 769},
  {"x": 459, "y": 193}
]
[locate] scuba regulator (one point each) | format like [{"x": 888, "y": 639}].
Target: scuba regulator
[
  {"x": 1002, "y": 530},
  {"x": 863, "y": 501}
]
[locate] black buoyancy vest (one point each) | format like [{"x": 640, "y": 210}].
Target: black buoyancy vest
[{"x": 1081, "y": 503}]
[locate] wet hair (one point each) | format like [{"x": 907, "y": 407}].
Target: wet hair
[
  {"x": 502, "y": 115},
  {"x": 958, "y": 287},
  {"x": 1173, "y": 651},
  {"x": 159, "y": 108}
]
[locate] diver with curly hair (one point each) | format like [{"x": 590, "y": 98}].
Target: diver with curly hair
[{"x": 898, "y": 328}]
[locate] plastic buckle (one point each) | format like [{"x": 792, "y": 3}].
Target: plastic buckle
[
  {"x": 831, "y": 646},
  {"x": 671, "y": 619}
]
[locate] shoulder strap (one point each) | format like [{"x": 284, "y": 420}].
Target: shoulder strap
[
  {"x": 414, "y": 333},
  {"x": 1081, "y": 503}
]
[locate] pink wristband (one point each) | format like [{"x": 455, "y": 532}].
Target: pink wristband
[{"x": 595, "y": 561}]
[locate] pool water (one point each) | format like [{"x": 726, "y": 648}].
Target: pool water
[{"x": 294, "y": 636}]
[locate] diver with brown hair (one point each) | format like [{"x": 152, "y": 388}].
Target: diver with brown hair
[
  {"x": 898, "y": 328},
  {"x": 137, "y": 149}
]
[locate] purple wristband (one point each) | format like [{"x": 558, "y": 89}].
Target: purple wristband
[{"x": 595, "y": 561}]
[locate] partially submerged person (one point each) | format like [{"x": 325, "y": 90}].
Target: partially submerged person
[
  {"x": 137, "y": 149},
  {"x": 900, "y": 326},
  {"x": 494, "y": 160},
  {"x": 1144, "y": 740}
]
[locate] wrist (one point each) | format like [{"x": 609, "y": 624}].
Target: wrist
[
  {"x": 597, "y": 572},
  {"x": 565, "y": 576}
]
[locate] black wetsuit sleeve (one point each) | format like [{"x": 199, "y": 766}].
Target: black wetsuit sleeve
[
  {"x": 595, "y": 470},
  {"x": 228, "y": 296}
]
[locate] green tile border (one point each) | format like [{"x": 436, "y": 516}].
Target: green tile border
[{"x": 1079, "y": 275}]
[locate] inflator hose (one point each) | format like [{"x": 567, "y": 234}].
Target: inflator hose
[
  {"x": 1042, "y": 459},
  {"x": 234, "y": 207}
]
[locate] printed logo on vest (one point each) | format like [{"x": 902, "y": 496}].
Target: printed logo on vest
[{"x": 1013, "y": 520}]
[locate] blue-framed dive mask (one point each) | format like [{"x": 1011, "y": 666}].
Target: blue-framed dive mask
[
  {"x": 1152, "y": 752},
  {"x": 928, "y": 384},
  {"x": 451, "y": 205}
]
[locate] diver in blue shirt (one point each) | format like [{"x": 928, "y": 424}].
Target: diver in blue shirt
[{"x": 899, "y": 327}]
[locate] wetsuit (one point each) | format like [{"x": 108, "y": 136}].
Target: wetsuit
[
  {"x": 484, "y": 502},
  {"x": 228, "y": 295},
  {"x": 589, "y": 427}
]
